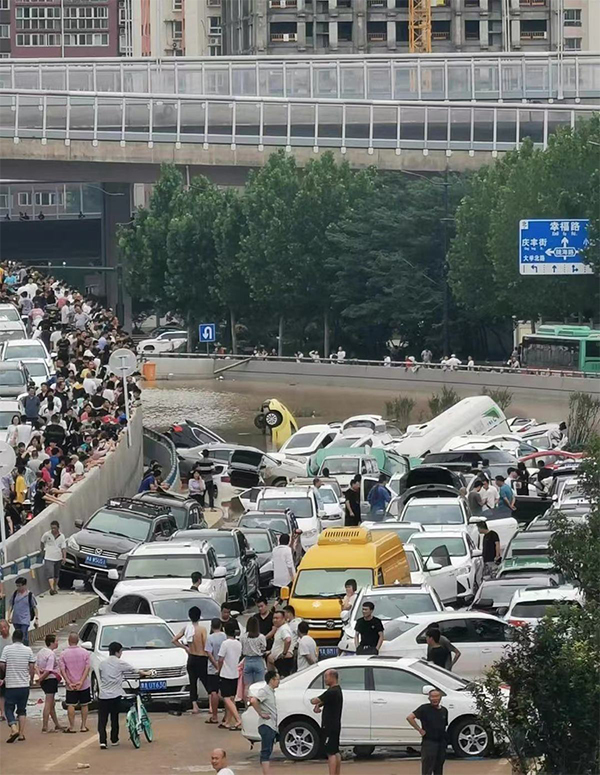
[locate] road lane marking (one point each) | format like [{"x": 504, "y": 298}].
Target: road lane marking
[{"x": 59, "y": 759}]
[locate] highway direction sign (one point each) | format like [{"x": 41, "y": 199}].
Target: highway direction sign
[
  {"x": 207, "y": 332},
  {"x": 553, "y": 247}
]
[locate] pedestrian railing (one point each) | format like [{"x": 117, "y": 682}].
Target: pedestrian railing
[{"x": 24, "y": 563}]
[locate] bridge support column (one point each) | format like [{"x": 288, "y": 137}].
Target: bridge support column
[{"x": 116, "y": 211}]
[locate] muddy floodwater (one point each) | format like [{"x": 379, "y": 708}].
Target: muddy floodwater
[{"x": 229, "y": 406}]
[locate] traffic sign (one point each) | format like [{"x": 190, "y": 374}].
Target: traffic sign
[
  {"x": 553, "y": 247},
  {"x": 122, "y": 362},
  {"x": 207, "y": 332}
]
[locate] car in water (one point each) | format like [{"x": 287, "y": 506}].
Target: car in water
[
  {"x": 379, "y": 693},
  {"x": 168, "y": 341}
]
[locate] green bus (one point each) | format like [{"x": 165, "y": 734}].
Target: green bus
[{"x": 564, "y": 348}]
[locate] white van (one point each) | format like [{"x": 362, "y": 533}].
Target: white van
[{"x": 478, "y": 416}]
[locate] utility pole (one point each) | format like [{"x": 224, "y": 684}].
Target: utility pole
[{"x": 445, "y": 290}]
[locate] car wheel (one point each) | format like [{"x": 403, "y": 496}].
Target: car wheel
[
  {"x": 273, "y": 418},
  {"x": 148, "y": 349},
  {"x": 300, "y": 740},
  {"x": 280, "y": 482},
  {"x": 363, "y": 751},
  {"x": 469, "y": 738},
  {"x": 260, "y": 422}
]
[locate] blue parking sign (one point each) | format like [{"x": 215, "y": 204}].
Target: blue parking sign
[{"x": 553, "y": 247}]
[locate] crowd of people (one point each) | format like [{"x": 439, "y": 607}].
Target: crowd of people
[{"x": 72, "y": 421}]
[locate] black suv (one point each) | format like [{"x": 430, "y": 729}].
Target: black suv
[
  {"x": 187, "y": 512},
  {"x": 119, "y": 526},
  {"x": 234, "y": 552},
  {"x": 277, "y": 522}
]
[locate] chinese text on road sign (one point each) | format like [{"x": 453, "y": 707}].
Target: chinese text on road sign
[
  {"x": 553, "y": 247},
  {"x": 207, "y": 332}
]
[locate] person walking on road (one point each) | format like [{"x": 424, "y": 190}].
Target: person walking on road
[
  {"x": 434, "y": 723},
  {"x": 110, "y": 674},
  {"x": 369, "y": 631},
  {"x": 263, "y": 702},
  {"x": 54, "y": 546},
  {"x": 283, "y": 564},
  {"x": 490, "y": 549},
  {"x": 49, "y": 676},
  {"x": 23, "y": 609},
  {"x": 331, "y": 703},
  {"x": 18, "y": 665},
  {"x": 218, "y": 759},
  {"x": 74, "y": 665},
  {"x": 193, "y": 639}
]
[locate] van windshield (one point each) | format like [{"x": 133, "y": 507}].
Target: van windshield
[
  {"x": 325, "y": 582},
  {"x": 177, "y": 566},
  {"x": 341, "y": 465}
]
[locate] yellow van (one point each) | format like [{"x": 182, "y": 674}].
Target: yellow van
[{"x": 342, "y": 553}]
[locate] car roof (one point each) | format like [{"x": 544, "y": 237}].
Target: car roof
[
  {"x": 13, "y": 365},
  {"x": 168, "y": 594},
  {"x": 23, "y": 341},
  {"x": 29, "y": 360},
  {"x": 433, "y": 501},
  {"x": 208, "y": 532},
  {"x": 538, "y": 535},
  {"x": 400, "y": 588},
  {"x": 512, "y": 581},
  {"x": 255, "y": 530},
  {"x": 280, "y": 514},
  {"x": 108, "y": 619},
  {"x": 442, "y": 534},
  {"x": 425, "y": 616},
  {"x": 171, "y": 547},
  {"x": 546, "y": 593},
  {"x": 279, "y": 492}
]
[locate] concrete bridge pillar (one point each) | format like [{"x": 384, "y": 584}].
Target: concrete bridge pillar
[{"x": 116, "y": 211}]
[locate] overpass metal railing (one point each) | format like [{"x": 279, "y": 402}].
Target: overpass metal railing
[
  {"x": 413, "y": 366},
  {"x": 530, "y": 76},
  {"x": 273, "y": 121}
]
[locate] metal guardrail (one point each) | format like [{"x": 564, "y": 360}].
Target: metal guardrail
[
  {"x": 172, "y": 477},
  {"x": 457, "y": 76},
  {"x": 248, "y": 121},
  {"x": 24, "y": 563},
  {"x": 413, "y": 367}
]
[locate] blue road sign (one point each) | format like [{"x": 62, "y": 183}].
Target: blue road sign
[
  {"x": 207, "y": 332},
  {"x": 553, "y": 247}
]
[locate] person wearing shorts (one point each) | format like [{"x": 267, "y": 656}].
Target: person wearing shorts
[
  {"x": 213, "y": 644},
  {"x": 229, "y": 657},
  {"x": 54, "y": 546},
  {"x": 263, "y": 702},
  {"x": 18, "y": 663},
  {"x": 49, "y": 674},
  {"x": 75, "y": 669},
  {"x": 331, "y": 703}
]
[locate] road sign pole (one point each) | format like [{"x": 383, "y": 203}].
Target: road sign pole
[
  {"x": 126, "y": 397},
  {"x": 3, "y": 530}
]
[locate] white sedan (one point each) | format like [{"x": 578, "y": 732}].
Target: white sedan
[
  {"x": 465, "y": 557},
  {"x": 25, "y": 349},
  {"x": 147, "y": 645},
  {"x": 166, "y": 342},
  {"x": 378, "y": 696},
  {"x": 38, "y": 370},
  {"x": 481, "y": 638}
]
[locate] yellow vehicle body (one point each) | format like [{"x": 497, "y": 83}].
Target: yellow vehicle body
[
  {"x": 278, "y": 419},
  {"x": 343, "y": 553}
]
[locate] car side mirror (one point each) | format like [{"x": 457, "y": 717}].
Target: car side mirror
[
  {"x": 87, "y": 645},
  {"x": 554, "y": 498},
  {"x": 432, "y": 565},
  {"x": 427, "y": 688},
  {"x": 502, "y": 610},
  {"x": 284, "y": 593},
  {"x": 345, "y": 616},
  {"x": 102, "y": 610},
  {"x": 79, "y": 523},
  {"x": 477, "y": 553},
  {"x": 220, "y": 572},
  {"x": 113, "y": 574},
  {"x": 485, "y": 602}
]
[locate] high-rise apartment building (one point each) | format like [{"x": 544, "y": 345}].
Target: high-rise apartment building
[
  {"x": 377, "y": 26},
  {"x": 176, "y": 27}
]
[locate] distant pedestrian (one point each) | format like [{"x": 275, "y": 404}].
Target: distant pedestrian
[
  {"x": 369, "y": 631},
  {"x": 22, "y": 610},
  {"x": 18, "y": 663},
  {"x": 434, "y": 723},
  {"x": 352, "y": 504},
  {"x": 522, "y": 485},
  {"x": 426, "y": 356},
  {"x": 75, "y": 666},
  {"x": 470, "y": 363},
  {"x": 379, "y": 496},
  {"x": 437, "y": 652},
  {"x": 489, "y": 494},
  {"x": 453, "y": 653},
  {"x": 474, "y": 498},
  {"x": 350, "y": 596},
  {"x": 454, "y": 362},
  {"x": 5, "y": 640},
  {"x": 206, "y": 467},
  {"x": 507, "y": 501},
  {"x": 490, "y": 549},
  {"x": 281, "y": 655},
  {"x": 444, "y": 363},
  {"x": 197, "y": 487},
  {"x": 49, "y": 676},
  {"x": 331, "y": 703},
  {"x": 264, "y": 703},
  {"x": 254, "y": 646},
  {"x": 308, "y": 651},
  {"x": 213, "y": 644},
  {"x": 218, "y": 759},
  {"x": 196, "y": 578},
  {"x": 283, "y": 564},
  {"x": 54, "y": 546},
  {"x": 341, "y": 354},
  {"x": 229, "y": 657},
  {"x": 264, "y": 619},
  {"x": 387, "y": 361},
  {"x": 193, "y": 639}
]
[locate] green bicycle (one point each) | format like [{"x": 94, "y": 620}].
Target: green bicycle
[{"x": 138, "y": 720}]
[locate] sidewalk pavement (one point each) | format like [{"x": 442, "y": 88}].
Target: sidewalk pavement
[{"x": 55, "y": 611}]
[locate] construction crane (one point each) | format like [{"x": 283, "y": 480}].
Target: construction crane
[{"x": 419, "y": 26}]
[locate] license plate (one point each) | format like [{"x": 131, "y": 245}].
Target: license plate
[
  {"x": 152, "y": 686},
  {"x": 92, "y": 559},
  {"x": 326, "y": 652}
]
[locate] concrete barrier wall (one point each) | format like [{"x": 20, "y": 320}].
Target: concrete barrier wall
[
  {"x": 159, "y": 447},
  {"x": 120, "y": 475},
  {"x": 395, "y": 378}
]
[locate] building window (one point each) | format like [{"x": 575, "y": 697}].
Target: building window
[
  {"x": 177, "y": 6},
  {"x": 37, "y": 18},
  {"x": 4, "y": 30},
  {"x": 37, "y": 39},
  {"x": 48, "y": 198},
  {"x": 471, "y": 29},
  {"x": 177, "y": 30},
  {"x": 4, "y": 5},
  {"x": 214, "y": 51},
  {"x": 214, "y": 25},
  {"x": 86, "y": 39},
  {"x": 534, "y": 29},
  {"x": 572, "y": 17},
  {"x": 573, "y": 44},
  {"x": 3, "y": 201},
  {"x": 24, "y": 199}
]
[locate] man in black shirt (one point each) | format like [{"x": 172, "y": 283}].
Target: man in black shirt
[
  {"x": 490, "y": 549},
  {"x": 369, "y": 631},
  {"x": 331, "y": 703},
  {"x": 227, "y": 617},
  {"x": 352, "y": 507},
  {"x": 434, "y": 721},
  {"x": 264, "y": 617}
]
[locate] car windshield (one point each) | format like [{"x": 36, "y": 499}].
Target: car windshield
[
  {"x": 223, "y": 545},
  {"x": 436, "y": 674},
  {"x": 6, "y": 417},
  {"x": 341, "y": 465},
  {"x": 37, "y": 368},
  {"x": 324, "y": 582},
  {"x": 433, "y": 514},
  {"x": 395, "y": 604},
  {"x": 412, "y": 561},
  {"x": 527, "y": 544},
  {"x": 501, "y": 594},
  {"x": 276, "y": 524},
  {"x": 301, "y": 440},
  {"x": 6, "y": 336},
  {"x": 17, "y": 352},
  {"x": 12, "y": 377},
  {"x": 120, "y": 524},
  {"x": 137, "y": 636},
  {"x": 328, "y": 495},
  {"x": 177, "y": 609},
  {"x": 455, "y": 546},
  {"x": 537, "y": 609},
  {"x": 177, "y": 566},
  {"x": 9, "y": 314},
  {"x": 259, "y": 542},
  {"x": 403, "y": 533},
  {"x": 301, "y": 507}
]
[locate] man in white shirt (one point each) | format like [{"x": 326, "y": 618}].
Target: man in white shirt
[
  {"x": 292, "y": 621},
  {"x": 308, "y": 652},
  {"x": 19, "y": 668},
  {"x": 341, "y": 354},
  {"x": 454, "y": 362},
  {"x": 218, "y": 759},
  {"x": 264, "y": 703},
  {"x": 54, "y": 546},
  {"x": 111, "y": 673},
  {"x": 283, "y": 563},
  {"x": 229, "y": 658},
  {"x": 489, "y": 495},
  {"x": 281, "y": 656}
]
